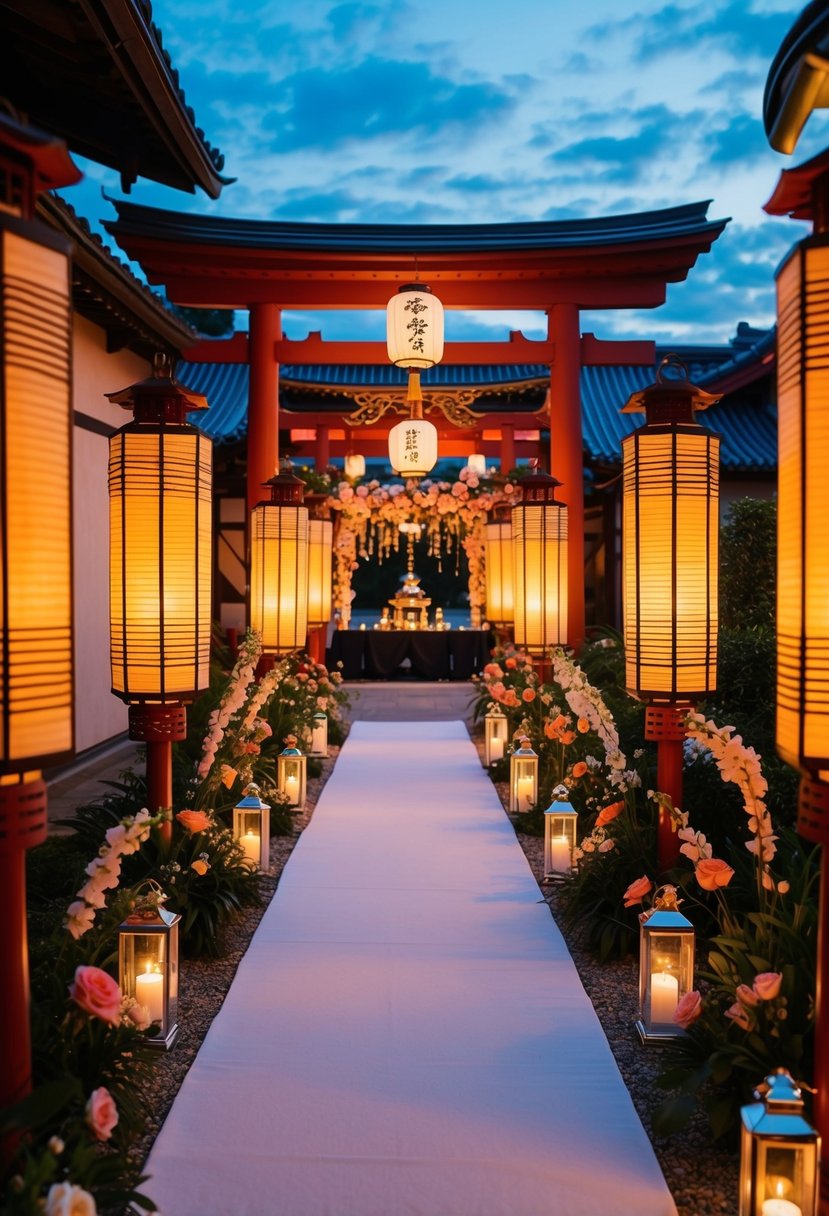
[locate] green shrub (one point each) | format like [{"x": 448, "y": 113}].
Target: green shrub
[{"x": 748, "y": 555}]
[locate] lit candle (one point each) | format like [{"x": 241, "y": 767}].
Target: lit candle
[
  {"x": 251, "y": 844},
  {"x": 149, "y": 991},
  {"x": 496, "y": 749},
  {"x": 664, "y": 996},
  {"x": 525, "y": 793},
  {"x": 780, "y": 1207},
  {"x": 560, "y": 859}
]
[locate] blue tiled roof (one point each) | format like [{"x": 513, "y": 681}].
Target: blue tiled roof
[{"x": 749, "y": 433}]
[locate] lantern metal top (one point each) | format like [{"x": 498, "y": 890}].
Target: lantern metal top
[
  {"x": 539, "y": 487},
  {"x": 669, "y": 399},
  {"x": 290, "y": 748},
  {"x": 779, "y": 1109},
  {"x": 561, "y": 804},
  {"x": 495, "y": 712},
  {"x": 319, "y": 716},
  {"x": 286, "y": 489},
  {"x": 251, "y": 799},
  {"x": 415, "y": 287},
  {"x": 524, "y": 748},
  {"x": 160, "y": 397},
  {"x": 143, "y": 917},
  {"x": 665, "y": 920}
]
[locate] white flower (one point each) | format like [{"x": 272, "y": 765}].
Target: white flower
[{"x": 64, "y": 1199}]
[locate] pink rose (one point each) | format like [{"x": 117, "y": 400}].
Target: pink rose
[
  {"x": 101, "y": 1113},
  {"x": 747, "y": 996},
  {"x": 767, "y": 985},
  {"x": 712, "y": 873},
  {"x": 739, "y": 1015},
  {"x": 194, "y": 821},
  {"x": 688, "y": 1009},
  {"x": 97, "y": 994},
  {"x": 637, "y": 891}
]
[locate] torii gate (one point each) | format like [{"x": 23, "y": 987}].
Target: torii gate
[{"x": 558, "y": 267}]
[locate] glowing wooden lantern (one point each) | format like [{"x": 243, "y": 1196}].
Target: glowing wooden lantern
[
  {"x": 291, "y": 768},
  {"x": 161, "y": 544},
  {"x": 414, "y": 339},
  {"x": 319, "y": 735},
  {"x": 476, "y": 463},
  {"x": 779, "y": 1152},
  {"x": 252, "y": 828},
  {"x": 148, "y": 967},
  {"x": 666, "y": 967},
  {"x": 496, "y": 735},
  {"x": 320, "y": 548},
  {"x": 539, "y": 554},
  {"x": 561, "y": 822},
  {"x": 670, "y": 543},
  {"x": 523, "y": 778},
  {"x": 279, "y": 566},
  {"x": 499, "y": 572},
  {"x": 355, "y": 466}
]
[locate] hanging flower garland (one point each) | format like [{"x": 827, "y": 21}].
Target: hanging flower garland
[{"x": 451, "y": 514}]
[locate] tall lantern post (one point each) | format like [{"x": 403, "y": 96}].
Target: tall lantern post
[
  {"x": 279, "y": 566},
  {"x": 539, "y": 567},
  {"x": 670, "y": 539},
  {"x": 414, "y": 340},
  {"x": 500, "y": 596},
  {"x": 320, "y": 588},
  {"x": 161, "y": 556},
  {"x": 36, "y": 635}
]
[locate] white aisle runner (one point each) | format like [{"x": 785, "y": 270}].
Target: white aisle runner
[{"x": 407, "y": 1034}]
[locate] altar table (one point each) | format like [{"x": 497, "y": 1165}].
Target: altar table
[{"x": 375, "y": 654}]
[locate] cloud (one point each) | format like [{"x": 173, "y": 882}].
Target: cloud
[
  {"x": 743, "y": 139},
  {"x": 629, "y": 157},
  {"x": 733, "y": 27}
]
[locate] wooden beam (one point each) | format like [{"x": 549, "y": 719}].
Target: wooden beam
[
  {"x": 598, "y": 352},
  {"x": 314, "y": 349}
]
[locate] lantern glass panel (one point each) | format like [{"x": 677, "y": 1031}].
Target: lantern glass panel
[
  {"x": 319, "y": 735},
  {"x": 560, "y": 831},
  {"x": 500, "y": 599},
  {"x": 523, "y": 782},
  {"x": 496, "y": 734},
  {"x": 291, "y": 778},
  {"x": 148, "y": 971},
  {"x": 247, "y": 829},
  {"x": 666, "y": 971}
]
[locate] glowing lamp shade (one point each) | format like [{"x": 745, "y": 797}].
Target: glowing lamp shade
[
  {"x": 320, "y": 546},
  {"x": 779, "y": 1152},
  {"x": 803, "y": 508},
  {"x": 666, "y": 967},
  {"x": 539, "y": 563},
  {"x": 36, "y": 663},
  {"x": 500, "y": 601},
  {"x": 670, "y": 545},
  {"x": 476, "y": 463},
  {"x": 161, "y": 544},
  {"x": 279, "y": 567},
  {"x": 414, "y": 327},
  {"x": 355, "y": 466}
]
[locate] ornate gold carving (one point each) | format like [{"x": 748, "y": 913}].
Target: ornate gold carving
[{"x": 454, "y": 405}]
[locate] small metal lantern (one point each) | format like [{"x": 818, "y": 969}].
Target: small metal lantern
[
  {"x": 666, "y": 967},
  {"x": 319, "y": 735},
  {"x": 560, "y": 828},
  {"x": 291, "y": 773},
  {"x": 252, "y": 827},
  {"x": 496, "y": 736},
  {"x": 779, "y": 1152},
  {"x": 523, "y": 778},
  {"x": 148, "y": 965}
]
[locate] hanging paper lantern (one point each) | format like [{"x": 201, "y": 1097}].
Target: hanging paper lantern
[
  {"x": 413, "y": 446},
  {"x": 414, "y": 327},
  {"x": 539, "y": 552},
  {"x": 279, "y": 566}
]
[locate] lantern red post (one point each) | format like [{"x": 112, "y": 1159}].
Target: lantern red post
[
  {"x": 263, "y": 400},
  {"x": 664, "y": 726},
  {"x": 567, "y": 455}
]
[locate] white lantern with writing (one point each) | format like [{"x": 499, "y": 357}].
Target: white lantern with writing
[
  {"x": 148, "y": 966},
  {"x": 291, "y": 773},
  {"x": 523, "y": 778},
  {"x": 252, "y": 828},
  {"x": 779, "y": 1152},
  {"x": 413, "y": 445},
  {"x": 560, "y": 830},
  {"x": 666, "y": 967}
]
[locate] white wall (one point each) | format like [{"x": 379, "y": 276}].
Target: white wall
[{"x": 98, "y": 714}]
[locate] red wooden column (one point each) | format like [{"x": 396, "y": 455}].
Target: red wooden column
[
  {"x": 567, "y": 457},
  {"x": 507, "y": 448},
  {"x": 263, "y": 399},
  {"x": 322, "y": 449}
]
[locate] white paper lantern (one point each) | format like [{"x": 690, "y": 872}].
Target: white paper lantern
[
  {"x": 476, "y": 463},
  {"x": 413, "y": 447},
  {"x": 355, "y": 466},
  {"x": 414, "y": 327}
]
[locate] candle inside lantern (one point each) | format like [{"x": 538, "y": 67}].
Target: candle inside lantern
[
  {"x": 496, "y": 749},
  {"x": 251, "y": 843},
  {"x": 560, "y": 860},
  {"x": 525, "y": 793},
  {"x": 664, "y": 996},
  {"x": 780, "y": 1207},
  {"x": 149, "y": 991}
]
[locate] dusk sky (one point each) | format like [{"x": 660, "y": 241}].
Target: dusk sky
[{"x": 453, "y": 111}]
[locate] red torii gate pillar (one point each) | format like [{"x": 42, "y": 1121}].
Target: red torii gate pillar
[
  {"x": 507, "y": 448},
  {"x": 566, "y": 452},
  {"x": 322, "y": 449},
  {"x": 263, "y": 399}
]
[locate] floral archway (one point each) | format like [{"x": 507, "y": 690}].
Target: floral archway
[{"x": 451, "y": 514}]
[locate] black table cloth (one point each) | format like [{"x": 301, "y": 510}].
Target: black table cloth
[{"x": 374, "y": 654}]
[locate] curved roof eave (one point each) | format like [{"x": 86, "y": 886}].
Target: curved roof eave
[{"x": 797, "y": 79}]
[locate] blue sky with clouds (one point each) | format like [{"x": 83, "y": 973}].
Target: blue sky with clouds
[{"x": 447, "y": 111}]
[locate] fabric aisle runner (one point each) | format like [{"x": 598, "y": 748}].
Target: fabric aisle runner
[{"x": 407, "y": 1034}]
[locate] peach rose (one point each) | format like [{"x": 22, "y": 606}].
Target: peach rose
[
  {"x": 528, "y": 694},
  {"x": 738, "y": 1014},
  {"x": 101, "y": 1113},
  {"x": 637, "y": 891},
  {"x": 712, "y": 873},
  {"x": 579, "y": 769},
  {"x": 65, "y": 1199},
  {"x": 688, "y": 1009},
  {"x": 510, "y": 664},
  {"x": 194, "y": 821},
  {"x": 609, "y": 813},
  {"x": 97, "y": 994},
  {"x": 568, "y": 737},
  {"x": 510, "y": 699},
  {"x": 747, "y": 996},
  {"x": 767, "y": 985},
  {"x": 582, "y": 726}
]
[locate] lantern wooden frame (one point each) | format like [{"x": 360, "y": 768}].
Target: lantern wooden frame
[
  {"x": 291, "y": 776},
  {"x": 539, "y": 554},
  {"x": 279, "y": 566},
  {"x": 252, "y": 828},
  {"x": 779, "y": 1152},
  {"x": 523, "y": 779},
  {"x": 148, "y": 945},
  {"x": 561, "y": 822},
  {"x": 496, "y": 736},
  {"x": 666, "y": 967}
]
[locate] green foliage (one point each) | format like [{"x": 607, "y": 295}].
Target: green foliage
[
  {"x": 748, "y": 554},
  {"x": 210, "y": 322}
]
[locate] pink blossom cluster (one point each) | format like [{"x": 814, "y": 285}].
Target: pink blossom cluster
[
  {"x": 765, "y": 988},
  {"x": 104, "y": 871}
]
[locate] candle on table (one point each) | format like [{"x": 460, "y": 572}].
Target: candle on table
[
  {"x": 496, "y": 749},
  {"x": 251, "y": 843},
  {"x": 149, "y": 991},
  {"x": 560, "y": 860},
  {"x": 664, "y": 996}
]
